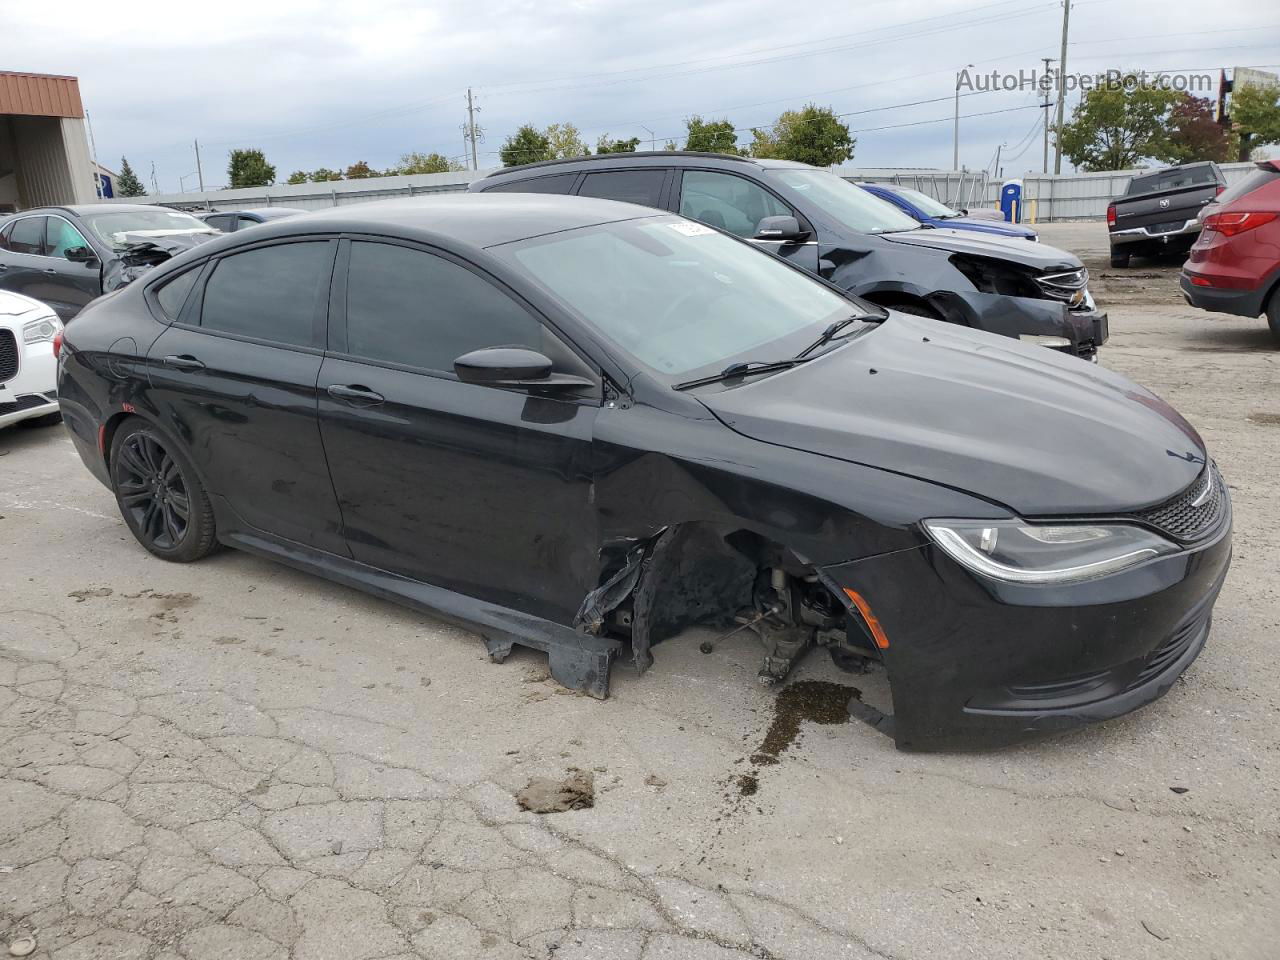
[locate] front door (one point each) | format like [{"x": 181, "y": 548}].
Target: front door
[
  {"x": 74, "y": 282},
  {"x": 235, "y": 380},
  {"x": 482, "y": 490},
  {"x": 737, "y": 205}
]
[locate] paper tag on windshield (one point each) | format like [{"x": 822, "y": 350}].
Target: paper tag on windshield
[{"x": 690, "y": 229}]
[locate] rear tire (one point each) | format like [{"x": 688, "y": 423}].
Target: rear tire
[
  {"x": 161, "y": 499},
  {"x": 1273, "y": 314},
  {"x": 1120, "y": 259}
]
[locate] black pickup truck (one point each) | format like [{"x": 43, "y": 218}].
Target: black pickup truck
[{"x": 1159, "y": 213}]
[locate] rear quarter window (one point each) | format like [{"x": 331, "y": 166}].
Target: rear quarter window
[
  {"x": 559, "y": 183},
  {"x": 173, "y": 294}
]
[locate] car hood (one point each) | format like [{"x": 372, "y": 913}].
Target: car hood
[
  {"x": 1039, "y": 256},
  {"x": 1008, "y": 229},
  {"x": 16, "y": 305},
  {"x": 1042, "y": 433}
]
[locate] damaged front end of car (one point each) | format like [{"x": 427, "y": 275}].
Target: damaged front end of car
[{"x": 142, "y": 253}]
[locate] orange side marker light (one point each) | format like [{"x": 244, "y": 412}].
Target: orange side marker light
[{"x": 864, "y": 608}]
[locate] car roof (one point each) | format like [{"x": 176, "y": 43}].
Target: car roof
[
  {"x": 646, "y": 158},
  {"x": 477, "y": 219},
  {"x": 270, "y": 213}
]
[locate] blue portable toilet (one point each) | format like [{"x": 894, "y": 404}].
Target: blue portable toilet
[{"x": 1011, "y": 201}]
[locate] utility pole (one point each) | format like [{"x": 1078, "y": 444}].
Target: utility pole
[
  {"x": 955, "y": 130},
  {"x": 199, "y": 171},
  {"x": 1062, "y": 88},
  {"x": 471, "y": 128},
  {"x": 653, "y": 140},
  {"x": 154, "y": 186},
  {"x": 1047, "y": 61}
]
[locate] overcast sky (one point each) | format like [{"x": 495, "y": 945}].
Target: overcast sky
[{"x": 326, "y": 85}]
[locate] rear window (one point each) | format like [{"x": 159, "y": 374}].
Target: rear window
[
  {"x": 630, "y": 186},
  {"x": 560, "y": 183},
  {"x": 1173, "y": 179},
  {"x": 1252, "y": 181}
]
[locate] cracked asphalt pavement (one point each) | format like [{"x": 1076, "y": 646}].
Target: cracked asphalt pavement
[{"x": 234, "y": 760}]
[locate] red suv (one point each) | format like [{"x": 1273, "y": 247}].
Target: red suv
[{"x": 1235, "y": 265}]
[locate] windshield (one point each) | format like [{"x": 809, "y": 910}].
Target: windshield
[
  {"x": 111, "y": 228},
  {"x": 676, "y": 295},
  {"x": 846, "y": 203},
  {"x": 926, "y": 204}
]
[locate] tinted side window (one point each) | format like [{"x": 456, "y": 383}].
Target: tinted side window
[
  {"x": 4, "y": 236},
  {"x": 173, "y": 294},
  {"x": 226, "y": 224},
  {"x": 27, "y": 236},
  {"x": 560, "y": 183},
  {"x": 272, "y": 292},
  {"x": 632, "y": 186},
  {"x": 728, "y": 203},
  {"x": 243, "y": 222},
  {"x": 407, "y": 306}
]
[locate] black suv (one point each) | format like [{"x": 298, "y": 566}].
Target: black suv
[
  {"x": 66, "y": 256},
  {"x": 832, "y": 228}
]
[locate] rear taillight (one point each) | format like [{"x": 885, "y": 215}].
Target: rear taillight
[
  {"x": 1218, "y": 192},
  {"x": 57, "y": 343},
  {"x": 1111, "y": 214},
  {"x": 1230, "y": 224}
]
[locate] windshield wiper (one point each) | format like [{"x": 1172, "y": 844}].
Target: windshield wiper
[
  {"x": 829, "y": 334},
  {"x": 748, "y": 368}
]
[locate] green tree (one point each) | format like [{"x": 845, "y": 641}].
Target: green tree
[
  {"x": 360, "y": 171},
  {"x": 813, "y": 135},
  {"x": 526, "y": 145},
  {"x": 1115, "y": 129},
  {"x": 323, "y": 175},
  {"x": 128, "y": 184},
  {"x": 298, "y": 176},
  {"x": 1195, "y": 135},
  {"x": 565, "y": 141},
  {"x": 605, "y": 145},
  {"x": 249, "y": 168},
  {"x": 424, "y": 163},
  {"x": 1255, "y": 117},
  {"x": 715, "y": 136}
]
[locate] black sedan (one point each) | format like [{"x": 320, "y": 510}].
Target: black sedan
[{"x": 579, "y": 425}]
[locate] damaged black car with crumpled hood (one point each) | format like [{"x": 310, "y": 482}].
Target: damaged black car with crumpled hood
[
  {"x": 832, "y": 228},
  {"x": 583, "y": 427}
]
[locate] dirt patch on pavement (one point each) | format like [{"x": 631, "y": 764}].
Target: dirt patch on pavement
[
  {"x": 1264, "y": 417},
  {"x": 577, "y": 791}
]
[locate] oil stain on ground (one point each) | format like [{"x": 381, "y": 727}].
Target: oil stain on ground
[
  {"x": 817, "y": 701},
  {"x": 1266, "y": 417}
]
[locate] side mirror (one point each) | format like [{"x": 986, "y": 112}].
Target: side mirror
[
  {"x": 502, "y": 366},
  {"x": 80, "y": 254},
  {"x": 781, "y": 229}
]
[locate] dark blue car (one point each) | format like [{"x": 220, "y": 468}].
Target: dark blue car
[{"x": 937, "y": 214}]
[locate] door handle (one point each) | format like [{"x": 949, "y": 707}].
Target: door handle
[
  {"x": 355, "y": 393},
  {"x": 184, "y": 362},
  {"x": 50, "y": 271}
]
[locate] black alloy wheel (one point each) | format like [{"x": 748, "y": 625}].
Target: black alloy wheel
[{"x": 160, "y": 498}]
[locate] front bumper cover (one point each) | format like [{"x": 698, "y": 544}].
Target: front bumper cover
[{"x": 975, "y": 662}]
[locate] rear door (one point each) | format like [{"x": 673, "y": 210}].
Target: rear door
[
  {"x": 647, "y": 186},
  {"x": 479, "y": 489},
  {"x": 736, "y": 205},
  {"x": 235, "y": 379},
  {"x": 22, "y": 259}
]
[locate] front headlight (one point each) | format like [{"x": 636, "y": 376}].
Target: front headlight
[
  {"x": 1023, "y": 552},
  {"x": 37, "y": 331}
]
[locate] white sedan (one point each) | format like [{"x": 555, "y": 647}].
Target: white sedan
[{"x": 28, "y": 368}]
